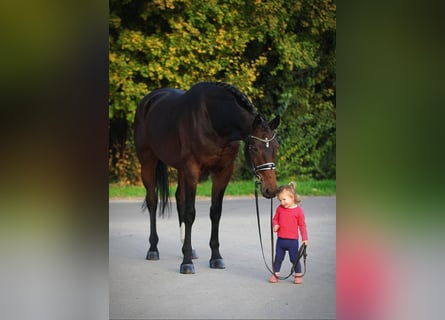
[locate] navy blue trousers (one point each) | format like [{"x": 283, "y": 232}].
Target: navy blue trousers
[{"x": 283, "y": 245}]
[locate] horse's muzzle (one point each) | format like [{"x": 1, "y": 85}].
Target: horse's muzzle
[{"x": 269, "y": 192}]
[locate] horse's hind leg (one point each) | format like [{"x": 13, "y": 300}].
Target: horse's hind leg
[{"x": 148, "y": 171}]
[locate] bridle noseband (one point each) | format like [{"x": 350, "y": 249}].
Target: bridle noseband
[{"x": 264, "y": 166}]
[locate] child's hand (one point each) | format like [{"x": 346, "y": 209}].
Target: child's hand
[{"x": 276, "y": 227}]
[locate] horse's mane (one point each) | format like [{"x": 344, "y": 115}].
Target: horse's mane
[{"x": 240, "y": 97}]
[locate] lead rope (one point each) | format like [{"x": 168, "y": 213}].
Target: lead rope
[
  {"x": 259, "y": 228},
  {"x": 301, "y": 251}
]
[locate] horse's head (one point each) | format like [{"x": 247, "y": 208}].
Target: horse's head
[{"x": 261, "y": 152}]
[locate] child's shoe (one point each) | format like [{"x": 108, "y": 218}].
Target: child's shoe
[
  {"x": 273, "y": 279},
  {"x": 298, "y": 279}
]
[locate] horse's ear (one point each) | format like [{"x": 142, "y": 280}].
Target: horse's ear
[
  {"x": 257, "y": 121},
  {"x": 274, "y": 123}
]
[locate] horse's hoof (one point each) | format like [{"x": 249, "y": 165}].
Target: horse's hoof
[
  {"x": 217, "y": 264},
  {"x": 187, "y": 268},
  {"x": 152, "y": 255}
]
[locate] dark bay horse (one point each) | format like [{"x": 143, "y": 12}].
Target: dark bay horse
[{"x": 198, "y": 131}]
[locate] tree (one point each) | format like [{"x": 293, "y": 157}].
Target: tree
[{"x": 280, "y": 54}]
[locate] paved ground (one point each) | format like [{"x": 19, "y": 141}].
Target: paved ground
[{"x": 141, "y": 289}]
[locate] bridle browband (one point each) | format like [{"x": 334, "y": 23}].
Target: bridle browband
[
  {"x": 264, "y": 166},
  {"x": 266, "y": 141}
]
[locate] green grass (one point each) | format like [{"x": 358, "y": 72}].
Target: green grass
[{"x": 235, "y": 188}]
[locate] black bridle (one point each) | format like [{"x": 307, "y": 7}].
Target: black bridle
[{"x": 264, "y": 166}]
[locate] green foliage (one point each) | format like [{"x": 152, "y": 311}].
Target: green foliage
[
  {"x": 124, "y": 167},
  {"x": 281, "y": 54}
]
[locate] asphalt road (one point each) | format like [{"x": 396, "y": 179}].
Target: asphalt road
[{"x": 141, "y": 289}]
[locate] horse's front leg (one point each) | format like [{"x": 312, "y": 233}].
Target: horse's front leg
[
  {"x": 180, "y": 206},
  {"x": 216, "y": 260},
  {"x": 219, "y": 184}
]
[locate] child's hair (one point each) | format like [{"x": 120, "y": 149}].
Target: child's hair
[{"x": 291, "y": 187}]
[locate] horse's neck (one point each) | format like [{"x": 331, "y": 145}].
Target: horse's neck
[
  {"x": 248, "y": 125},
  {"x": 234, "y": 126}
]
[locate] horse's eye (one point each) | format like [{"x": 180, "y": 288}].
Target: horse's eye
[{"x": 254, "y": 149}]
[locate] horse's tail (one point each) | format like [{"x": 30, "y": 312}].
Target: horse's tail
[{"x": 162, "y": 186}]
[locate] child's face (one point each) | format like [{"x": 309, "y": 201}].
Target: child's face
[{"x": 286, "y": 199}]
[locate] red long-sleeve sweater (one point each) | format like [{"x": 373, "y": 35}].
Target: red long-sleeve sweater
[{"x": 290, "y": 221}]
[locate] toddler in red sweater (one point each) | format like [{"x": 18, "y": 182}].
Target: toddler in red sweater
[{"x": 288, "y": 219}]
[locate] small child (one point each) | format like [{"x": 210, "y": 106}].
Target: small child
[{"x": 289, "y": 217}]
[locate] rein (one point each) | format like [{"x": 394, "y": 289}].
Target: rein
[{"x": 301, "y": 250}]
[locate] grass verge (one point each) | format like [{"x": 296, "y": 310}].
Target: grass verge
[{"x": 235, "y": 188}]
